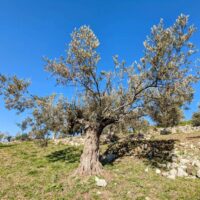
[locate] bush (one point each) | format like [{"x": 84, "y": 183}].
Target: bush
[
  {"x": 23, "y": 137},
  {"x": 196, "y": 119}
]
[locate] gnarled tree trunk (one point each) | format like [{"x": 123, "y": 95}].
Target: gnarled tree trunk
[{"x": 89, "y": 162}]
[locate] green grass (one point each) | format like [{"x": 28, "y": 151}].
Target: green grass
[
  {"x": 186, "y": 122},
  {"x": 30, "y": 172}
]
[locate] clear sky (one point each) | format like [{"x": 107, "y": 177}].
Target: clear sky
[{"x": 31, "y": 29}]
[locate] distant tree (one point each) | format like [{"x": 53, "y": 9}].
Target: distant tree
[
  {"x": 2, "y": 135},
  {"x": 8, "y": 137},
  {"x": 22, "y": 137},
  {"x": 5, "y": 136},
  {"x": 164, "y": 104},
  {"x": 196, "y": 118},
  {"x": 166, "y": 107}
]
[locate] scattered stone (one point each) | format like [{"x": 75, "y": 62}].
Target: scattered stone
[
  {"x": 192, "y": 146},
  {"x": 174, "y": 158},
  {"x": 191, "y": 171},
  {"x": 182, "y": 144},
  {"x": 168, "y": 165},
  {"x": 145, "y": 146},
  {"x": 165, "y": 131},
  {"x": 162, "y": 165},
  {"x": 171, "y": 176},
  {"x": 98, "y": 192},
  {"x": 184, "y": 161},
  {"x": 174, "y": 165},
  {"x": 100, "y": 182},
  {"x": 181, "y": 172},
  {"x": 198, "y": 173},
  {"x": 165, "y": 173},
  {"x": 172, "y": 130},
  {"x": 196, "y": 163},
  {"x": 173, "y": 172},
  {"x": 73, "y": 141},
  {"x": 158, "y": 171},
  {"x": 183, "y": 166}
]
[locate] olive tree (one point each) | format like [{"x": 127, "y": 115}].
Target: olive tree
[
  {"x": 166, "y": 107},
  {"x": 105, "y": 98}
]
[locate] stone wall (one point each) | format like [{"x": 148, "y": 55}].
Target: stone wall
[
  {"x": 173, "y": 130},
  {"x": 74, "y": 141}
]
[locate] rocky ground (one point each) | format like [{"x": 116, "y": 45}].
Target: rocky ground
[
  {"x": 173, "y": 152},
  {"x": 173, "y": 155},
  {"x": 185, "y": 162}
]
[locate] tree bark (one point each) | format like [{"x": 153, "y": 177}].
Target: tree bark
[{"x": 89, "y": 162}]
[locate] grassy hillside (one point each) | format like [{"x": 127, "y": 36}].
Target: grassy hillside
[{"x": 30, "y": 172}]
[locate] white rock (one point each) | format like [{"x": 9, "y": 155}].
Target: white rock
[
  {"x": 177, "y": 152},
  {"x": 98, "y": 192},
  {"x": 174, "y": 165},
  {"x": 158, "y": 171},
  {"x": 173, "y": 172},
  {"x": 184, "y": 161},
  {"x": 100, "y": 182},
  {"x": 171, "y": 177},
  {"x": 183, "y": 166},
  {"x": 196, "y": 163},
  {"x": 161, "y": 165},
  {"x": 181, "y": 172},
  {"x": 165, "y": 174},
  {"x": 191, "y": 146},
  {"x": 182, "y": 144},
  {"x": 168, "y": 165},
  {"x": 147, "y": 169},
  {"x": 174, "y": 158},
  {"x": 198, "y": 173}
]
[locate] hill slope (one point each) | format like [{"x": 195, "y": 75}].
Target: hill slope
[{"x": 30, "y": 172}]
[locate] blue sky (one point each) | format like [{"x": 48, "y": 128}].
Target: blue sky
[{"x": 30, "y": 30}]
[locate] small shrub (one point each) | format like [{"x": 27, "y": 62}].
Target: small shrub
[
  {"x": 165, "y": 131},
  {"x": 196, "y": 119},
  {"x": 23, "y": 137}
]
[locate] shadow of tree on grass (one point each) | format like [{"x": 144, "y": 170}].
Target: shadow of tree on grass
[
  {"x": 7, "y": 145},
  {"x": 155, "y": 152},
  {"x": 193, "y": 137},
  {"x": 70, "y": 155}
]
